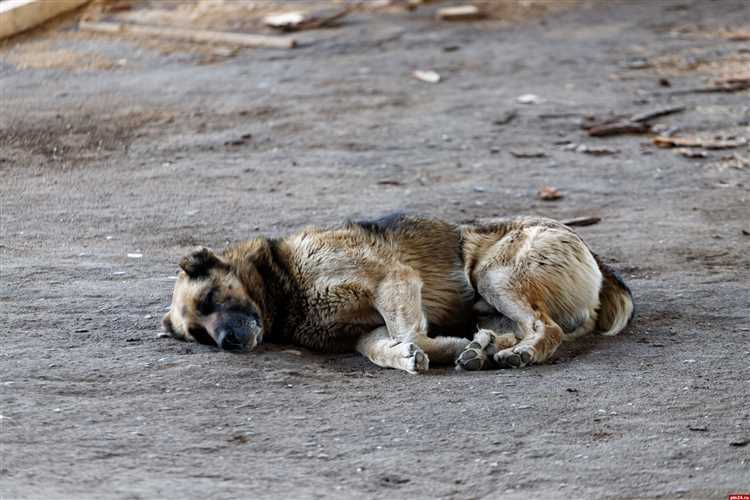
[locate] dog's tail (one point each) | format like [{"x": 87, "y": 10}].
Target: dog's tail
[{"x": 615, "y": 302}]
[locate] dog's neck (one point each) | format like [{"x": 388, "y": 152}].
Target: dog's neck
[{"x": 277, "y": 289}]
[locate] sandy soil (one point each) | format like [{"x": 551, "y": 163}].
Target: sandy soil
[{"x": 161, "y": 151}]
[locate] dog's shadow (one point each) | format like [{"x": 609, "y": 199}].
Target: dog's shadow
[{"x": 580, "y": 347}]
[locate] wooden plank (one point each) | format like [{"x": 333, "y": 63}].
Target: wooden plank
[
  {"x": 203, "y": 36},
  {"x": 460, "y": 13},
  {"x": 17, "y": 16}
]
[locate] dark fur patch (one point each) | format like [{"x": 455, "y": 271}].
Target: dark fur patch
[
  {"x": 201, "y": 335},
  {"x": 612, "y": 278},
  {"x": 282, "y": 290},
  {"x": 618, "y": 279},
  {"x": 390, "y": 222}
]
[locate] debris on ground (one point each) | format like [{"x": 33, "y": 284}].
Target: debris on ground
[
  {"x": 549, "y": 193},
  {"x": 460, "y": 13},
  {"x": 733, "y": 161},
  {"x": 19, "y": 16},
  {"x": 389, "y": 182},
  {"x": 241, "y": 141},
  {"x": 119, "y": 6},
  {"x": 506, "y": 117},
  {"x": 622, "y": 124},
  {"x": 617, "y": 127},
  {"x": 719, "y": 86},
  {"x": 527, "y": 154},
  {"x": 557, "y": 116},
  {"x": 583, "y": 221},
  {"x": 427, "y": 76},
  {"x": 662, "y": 129},
  {"x": 716, "y": 142},
  {"x": 238, "y": 438},
  {"x": 296, "y": 21},
  {"x": 591, "y": 150},
  {"x": 656, "y": 113},
  {"x": 691, "y": 153},
  {"x": 698, "y": 428},
  {"x": 737, "y": 80},
  {"x": 636, "y": 63},
  {"x": 736, "y": 36},
  {"x": 530, "y": 99},
  {"x": 190, "y": 35}
]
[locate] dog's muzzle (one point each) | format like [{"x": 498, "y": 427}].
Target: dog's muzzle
[{"x": 238, "y": 332}]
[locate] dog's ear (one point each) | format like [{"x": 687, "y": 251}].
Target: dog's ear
[{"x": 199, "y": 262}]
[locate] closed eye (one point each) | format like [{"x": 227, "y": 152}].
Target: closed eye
[{"x": 206, "y": 305}]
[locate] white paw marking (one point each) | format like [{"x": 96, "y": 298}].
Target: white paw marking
[{"x": 413, "y": 358}]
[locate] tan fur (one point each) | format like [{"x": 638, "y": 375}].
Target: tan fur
[{"x": 406, "y": 290}]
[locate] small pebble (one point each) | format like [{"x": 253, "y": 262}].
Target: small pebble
[
  {"x": 529, "y": 99},
  {"x": 427, "y": 76}
]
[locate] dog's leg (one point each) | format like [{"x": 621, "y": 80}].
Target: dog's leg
[
  {"x": 398, "y": 299},
  {"x": 540, "y": 335},
  {"x": 541, "y": 341},
  {"x": 442, "y": 350},
  {"x": 495, "y": 334},
  {"x": 379, "y": 348}
]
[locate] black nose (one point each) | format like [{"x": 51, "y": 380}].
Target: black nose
[{"x": 232, "y": 341}]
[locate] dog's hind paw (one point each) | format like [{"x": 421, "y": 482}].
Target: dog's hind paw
[
  {"x": 414, "y": 359},
  {"x": 516, "y": 357}
]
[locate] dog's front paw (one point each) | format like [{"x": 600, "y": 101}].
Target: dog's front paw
[
  {"x": 516, "y": 357},
  {"x": 478, "y": 354},
  {"x": 473, "y": 357},
  {"x": 414, "y": 360}
]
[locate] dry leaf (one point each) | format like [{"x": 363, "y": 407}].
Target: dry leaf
[{"x": 549, "y": 193}]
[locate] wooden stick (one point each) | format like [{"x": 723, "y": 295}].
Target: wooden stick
[
  {"x": 20, "y": 15},
  {"x": 734, "y": 87},
  {"x": 243, "y": 39},
  {"x": 583, "y": 221},
  {"x": 657, "y": 113}
]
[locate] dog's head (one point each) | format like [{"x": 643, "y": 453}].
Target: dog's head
[{"x": 211, "y": 305}]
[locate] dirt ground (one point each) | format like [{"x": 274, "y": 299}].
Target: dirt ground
[{"x": 158, "y": 151}]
